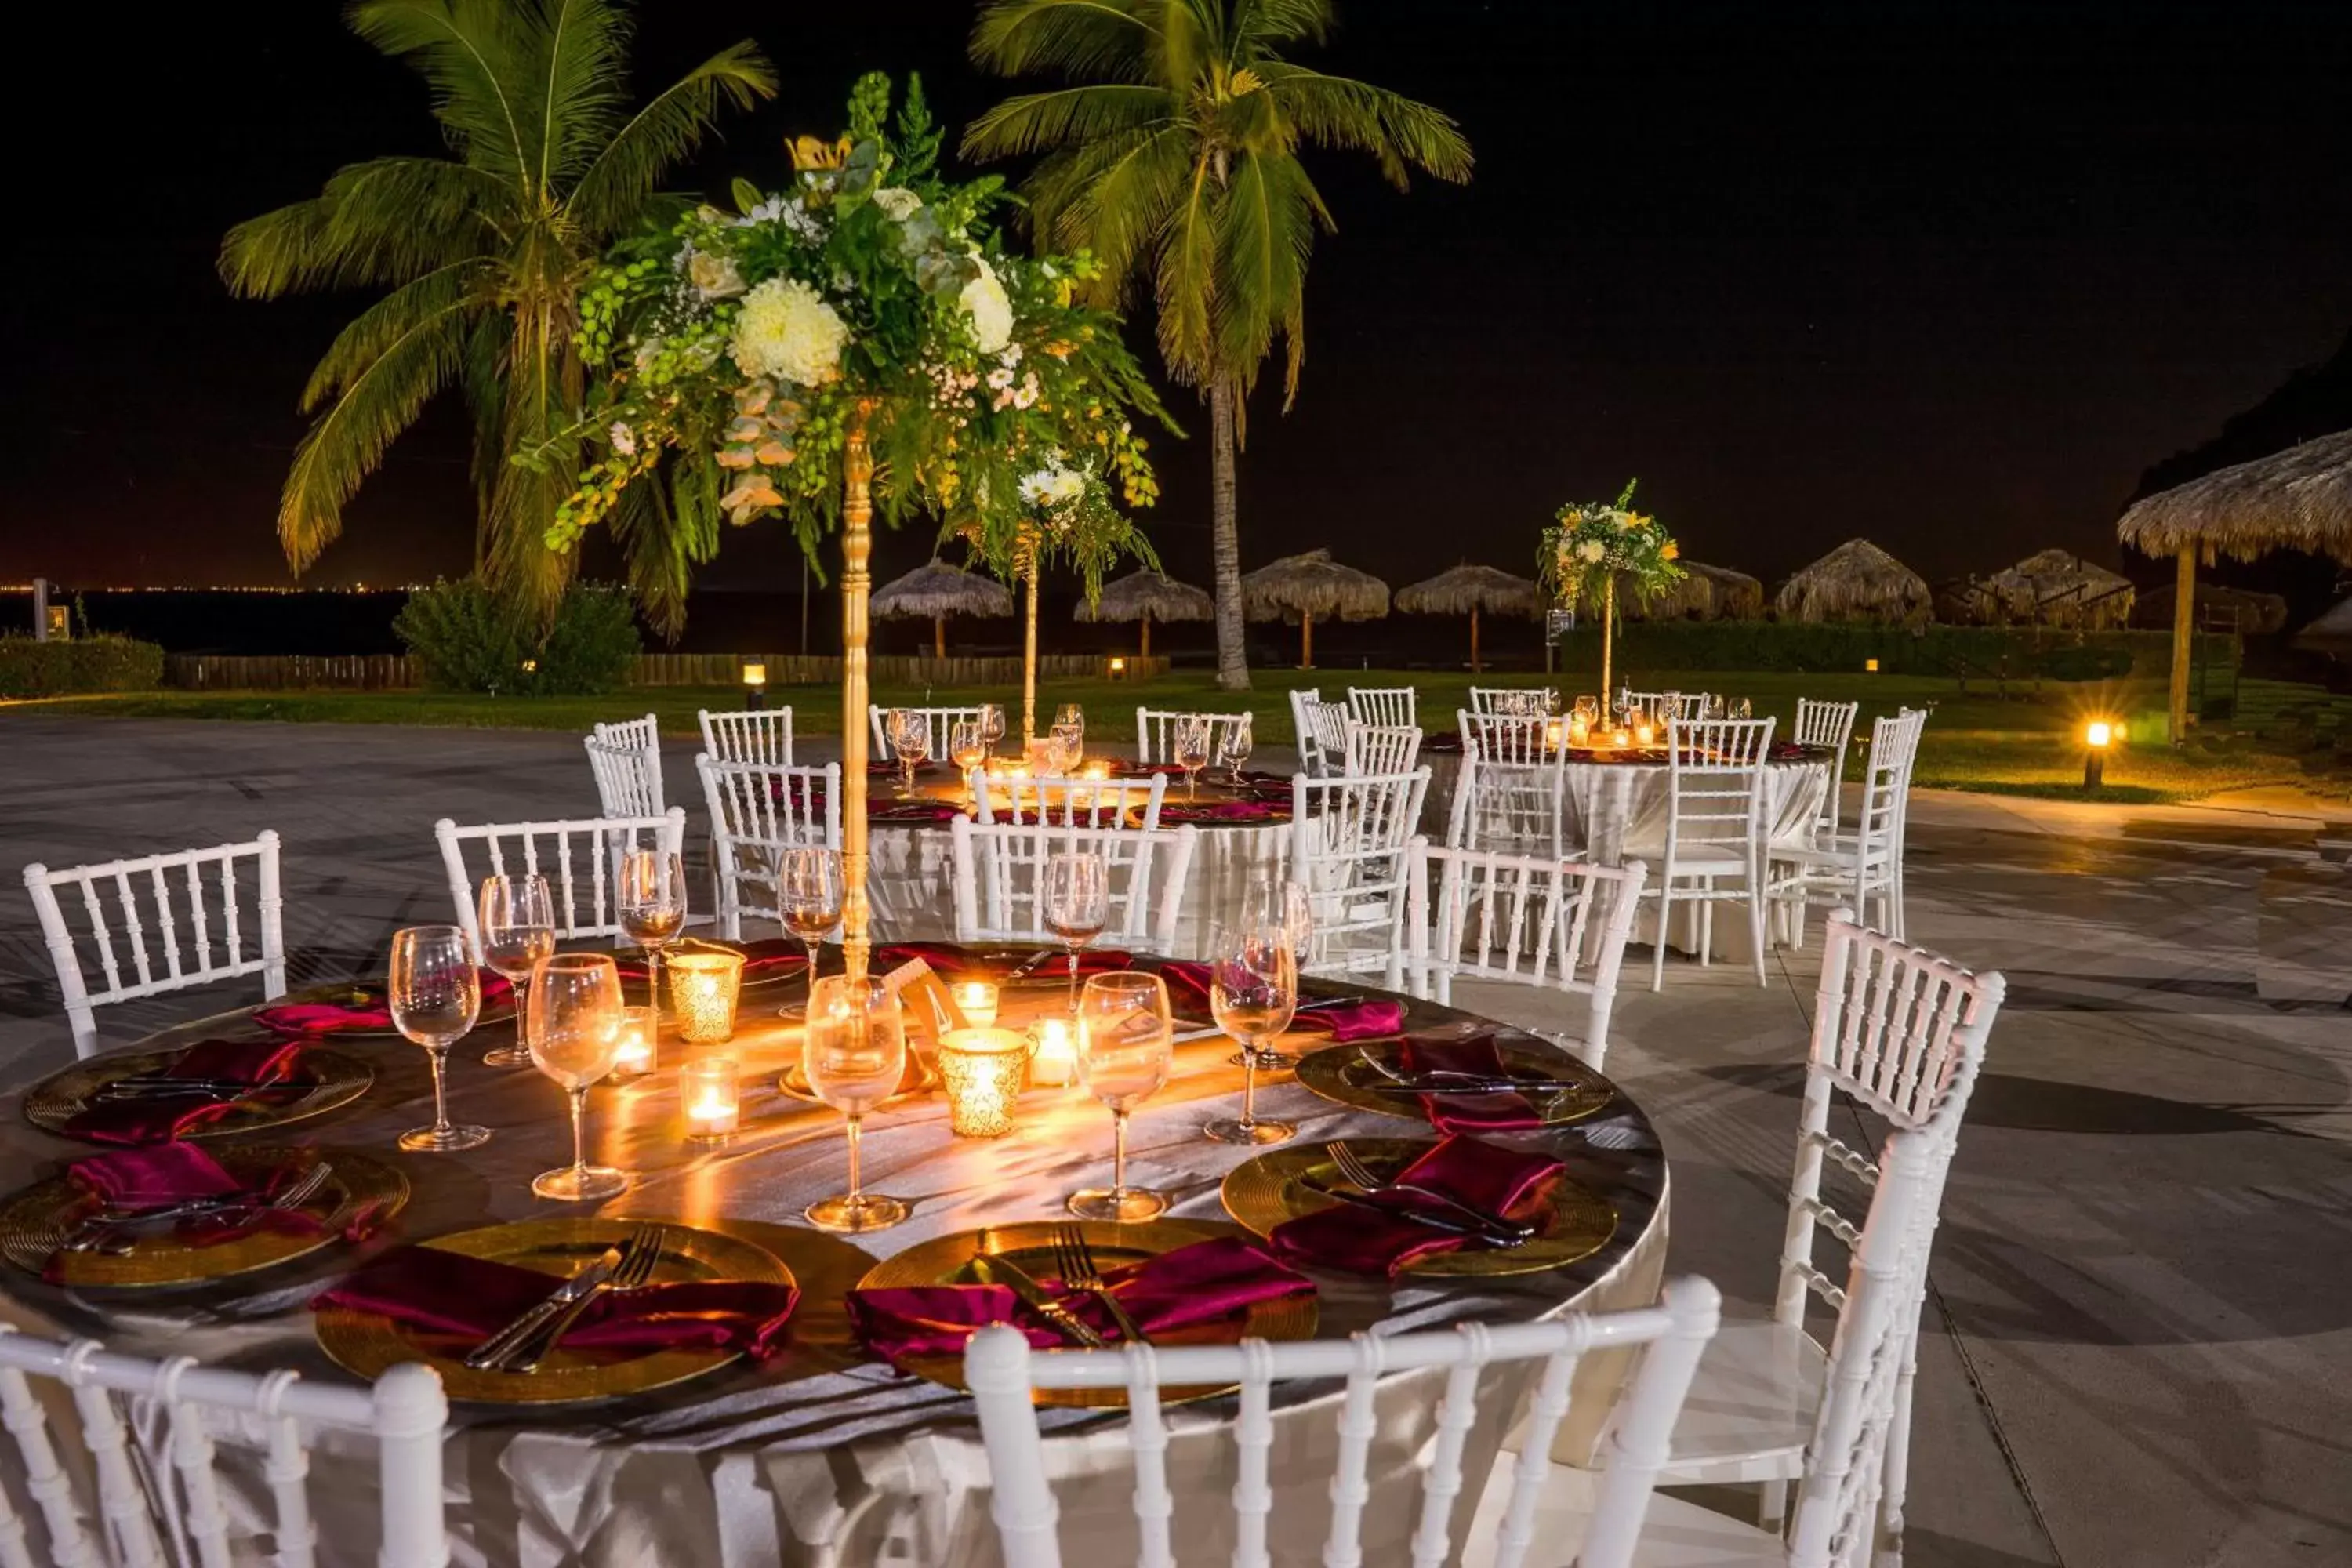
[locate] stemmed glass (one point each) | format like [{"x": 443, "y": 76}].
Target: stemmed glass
[
  {"x": 855, "y": 1053},
  {"x": 992, "y": 726},
  {"x": 910, "y": 737},
  {"x": 1741, "y": 707},
  {"x": 1234, "y": 748},
  {"x": 1587, "y": 712},
  {"x": 516, "y": 916},
  {"x": 1069, "y": 715},
  {"x": 1070, "y": 744},
  {"x": 808, "y": 900},
  {"x": 1190, "y": 748},
  {"x": 1252, "y": 993},
  {"x": 1125, "y": 1039},
  {"x": 435, "y": 995},
  {"x": 1073, "y": 891},
  {"x": 650, "y": 889},
  {"x": 576, "y": 1033},
  {"x": 1286, "y": 907},
  {"x": 967, "y": 746}
]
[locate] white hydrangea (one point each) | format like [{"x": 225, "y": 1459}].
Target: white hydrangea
[
  {"x": 991, "y": 309},
  {"x": 897, "y": 203},
  {"x": 714, "y": 277},
  {"x": 1592, "y": 550},
  {"x": 788, "y": 332}
]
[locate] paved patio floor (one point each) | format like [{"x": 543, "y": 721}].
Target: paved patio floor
[{"x": 2138, "y": 1342}]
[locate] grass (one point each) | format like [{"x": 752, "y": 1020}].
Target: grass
[{"x": 2025, "y": 744}]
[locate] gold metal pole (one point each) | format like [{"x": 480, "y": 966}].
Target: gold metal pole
[
  {"x": 1608, "y": 630},
  {"x": 2184, "y": 627},
  {"x": 1029, "y": 658},
  {"x": 857, "y": 582}
]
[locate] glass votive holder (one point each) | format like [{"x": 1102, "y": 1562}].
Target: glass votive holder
[
  {"x": 1621, "y": 737},
  {"x": 976, "y": 1000},
  {"x": 1055, "y": 1062},
  {"x": 982, "y": 1071},
  {"x": 1646, "y": 734},
  {"x": 640, "y": 1049},
  {"x": 711, "y": 1089},
  {"x": 702, "y": 987}
]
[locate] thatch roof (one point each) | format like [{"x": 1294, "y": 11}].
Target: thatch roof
[
  {"x": 1855, "y": 582},
  {"x": 2331, "y": 633},
  {"x": 2055, "y": 588},
  {"x": 1312, "y": 584},
  {"x": 1705, "y": 592},
  {"x": 1458, "y": 590},
  {"x": 938, "y": 589},
  {"x": 1147, "y": 593},
  {"x": 2300, "y": 499},
  {"x": 2217, "y": 609}
]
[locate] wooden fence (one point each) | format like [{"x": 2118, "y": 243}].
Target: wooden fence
[
  {"x": 389, "y": 672},
  {"x": 289, "y": 672}
]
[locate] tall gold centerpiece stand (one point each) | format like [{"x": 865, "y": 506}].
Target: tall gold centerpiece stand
[
  {"x": 856, "y": 586},
  {"x": 1607, "y": 631},
  {"x": 1029, "y": 638}
]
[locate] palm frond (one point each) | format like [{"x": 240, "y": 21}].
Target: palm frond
[
  {"x": 1266, "y": 235},
  {"x": 485, "y": 389},
  {"x": 1186, "y": 283},
  {"x": 385, "y": 324},
  {"x": 615, "y": 186},
  {"x": 473, "y": 55},
  {"x": 1120, "y": 196},
  {"x": 663, "y": 532},
  {"x": 583, "y": 87},
  {"x": 1037, "y": 121},
  {"x": 1262, "y": 24},
  {"x": 384, "y": 221},
  {"x": 1080, "y": 38},
  {"x": 1398, "y": 132}
]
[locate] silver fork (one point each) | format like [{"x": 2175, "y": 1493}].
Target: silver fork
[
  {"x": 1358, "y": 1174},
  {"x": 101, "y": 1234},
  {"x": 639, "y": 1254},
  {"x": 1075, "y": 1261}
]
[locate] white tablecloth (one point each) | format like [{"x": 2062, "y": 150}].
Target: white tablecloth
[{"x": 1611, "y": 806}]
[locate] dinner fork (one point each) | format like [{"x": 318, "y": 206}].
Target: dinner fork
[
  {"x": 102, "y": 1231},
  {"x": 635, "y": 1272},
  {"x": 1358, "y": 1174},
  {"x": 1074, "y": 1261}
]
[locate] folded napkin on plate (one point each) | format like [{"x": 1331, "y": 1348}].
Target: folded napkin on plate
[
  {"x": 1222, "y": 811},
  {"x": 914, "y": 811},
  {"x": 474, "y": 1298},
  {"x": 1195, "y": 1284},
  {"x": 269, "y": 1066},
  {"x": 950, "y": 962},
  {"x": 1188, "y": 988},
  {"x": 1475, "y": 1054},
  {"x": 374, "y": 1012},
  {"x": 1504, "y": 1182},
  {"x": 762, "y": 960},
  {"x": 137, "y": 1181}
]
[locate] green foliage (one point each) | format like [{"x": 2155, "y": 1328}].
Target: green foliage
[
  {"x": 1588, "y": 544},
  {"x": 31, "y": 668},
  {"x": 2017, "y": 653},
  {"x": 467, "y": 638}
]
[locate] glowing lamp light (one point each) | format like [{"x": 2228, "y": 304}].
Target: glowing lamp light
[
  {"x": 755, "y": 675},
  {"x": 1117, "y": 668},
  {"x": 755, "y": 685},
  {"x": 1870, "y": 665},
  {"x": 2097, "y": 737},
  {"x": 2100, "y": 735},
  {"x": 640, "y": 1044},
  {"x": 529, "y": 665}
]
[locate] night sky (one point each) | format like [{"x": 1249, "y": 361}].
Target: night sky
[{"x": 1947, "y": 275}]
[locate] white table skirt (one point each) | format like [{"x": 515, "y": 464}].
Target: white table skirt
[{"x": 1609, "y": 805}]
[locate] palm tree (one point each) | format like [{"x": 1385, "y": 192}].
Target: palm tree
[
  {"x": 485, "y": 253},
  {"x": 1174, "y": 154}
]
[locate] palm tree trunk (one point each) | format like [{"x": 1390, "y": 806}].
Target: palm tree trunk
[{"x": 1232, "y": 653}]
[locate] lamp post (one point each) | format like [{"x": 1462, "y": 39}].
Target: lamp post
[
  {"x": 755, "y": 687},
  {"x": 2096, "y": 738}
]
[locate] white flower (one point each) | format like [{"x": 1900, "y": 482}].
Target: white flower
[
  {"x": 1053, "y": 487},
  {"x": 991, "y": 309},
  {"x": 1592, "y": 550},
  {"x": 646, "y": 354},
  {"x": 714, "y": 277},
  {"x": 788, "y": 332},
  {"x": 625, "y": 440},
  {"x": 897, "y": 203},
  {"x": 768, "y": 211}
]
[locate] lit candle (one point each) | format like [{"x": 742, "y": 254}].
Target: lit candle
[
  {"x": 976, "y": 1000},
  {"x": 713, "y": 1097},
  {"x": 981, "y": 1070},
  {"x": 1580, "y": 730},
  {"x": 1621, "y": 738},
  {"x": 640, "y": 1038},
  {"x": 1552, "y": 733},
  {"x": 1098, "y": 769},
  {"x": 702, "y": 986},
  {"x": 1057, "y": 1061},
  {"x": 1645, "y": 733}
]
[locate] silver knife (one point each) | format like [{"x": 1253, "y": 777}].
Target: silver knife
[
  {"x": 1035, "y": 961},
  {"x": 487, "y": 1355},
  {"x": 1003, "y": 1271},
  {"x": 1493, "y": 1235}
]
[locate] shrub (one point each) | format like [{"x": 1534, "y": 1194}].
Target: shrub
[
  {"x": 30, "y": 669},
  {"x": 464, "y": 638}
]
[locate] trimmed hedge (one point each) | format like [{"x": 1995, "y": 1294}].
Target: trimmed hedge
[
  {"x": 1934, "y": 650},
  {"x": 464, "y": 638},
  {"x": 31, "y": 668}
]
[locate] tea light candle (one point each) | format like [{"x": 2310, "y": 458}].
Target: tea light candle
[
  {"x": 1552, "y": 733},
  {"x": 712, "y": 1094},
  {"x": 1580, "y": 731},
  {"x": 1621, "y": 738},
  {"x": 1645, "y": 733},
  {"x": 976, "y": 1000},
  {"x": 640, "y": 1044},
  {"x": 702, "y": 986},
  {"x": 1057, "y": 1061},
  {"x": 1098, "y": 769},
  {"x": 981, "y": 1070}
]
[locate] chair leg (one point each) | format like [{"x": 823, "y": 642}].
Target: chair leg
[
  {"x": 1772, "y": 1510},
  {"x": 1658, "y": 953},
  {"x": 1707, "y": 923},
  {"x": 1756, "y": 927}
]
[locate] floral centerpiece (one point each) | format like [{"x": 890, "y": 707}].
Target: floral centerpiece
[{"x": 1589, "y": 546}]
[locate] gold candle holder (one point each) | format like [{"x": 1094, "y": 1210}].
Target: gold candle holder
[
  {"x": 976, "y": 1000},
  {"x": 984, "y": 1072},
  {"x": 702, "y": 987},
  {"x": 640, "y": 1050},
  {"x": 1579, "y": 732},
  {"x": 1055, "y": 1062},
  {"x": 711, "y": 1089}
]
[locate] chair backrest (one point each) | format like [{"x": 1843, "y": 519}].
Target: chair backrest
[
  {"x": 111, "y": 1503},
  {"x": 750, "y": 735},
  {"x": 999, "y": 869},
  {"x": 1002, "y": 1371},
  {"x": 1388, "y": 707},
  {"x": 1382, "y": 748},
  {"x": 1505, "y": 737},
  {"x": 1310, "y": 757},
  {"x": 178, "y": 921},
  {"x": 758, "y": 809},
  {"x": 643, "y": 733},
  {"x": 628, "y": 778},
  {"x": 1878, "y": 822},
  {"x": 1535, "y": 920},
  {"x": 937, "y": 720},
  {"x": 1506, "y": 698},
  {"x": 1514, "y": 807},
  {"x": 1349, "y": 849},
  {"x": 1829, "y": 724},
  {"x": 1072, "y": 802},
  {"x": 579, "y": 859},
  {"x": 1715, "y": 784},
  {"x": 1322, "y": 730},
  {"x": 1155, "y": 732}
]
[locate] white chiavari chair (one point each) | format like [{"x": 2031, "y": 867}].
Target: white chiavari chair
[
  {"x": 1664, "y": 707},
  {"x": 1339, "y": 1496},
  {"x": 1000, "y": 867},
  {"x": 938, "y": 722},
  {"x": 1155, "y": 730},
  {"x": 1310, "y": 760},
  {"x": 1505, "y": 737},
  {"x": 1907, "y": 746},
  {"x": 1350, "y": 850},
  {"x": 1513, "y": 698},
  {"x": 1512, "y": 790},
  {"x": 1714, "y": 832},
  {"x": 1072, "y": 802},
  {"x": 1526, "y": 920},
  {"x": 643, "y": 733},
  {"x": 749, "y": 735},
  {"x": 757, "y": 811},
  {"x": 177, "y": 919},
  {"x": 1382, "y": 748},
  {"x": 1387, "y": 707},
  {"x": 1829, "y": 725},
  {"x": 1855, "y": 868},
  {"x": 579, "y": 859},
  {"x": 628, "y": 778},
  {"x": 135, "y": 1462},
  {"x": 1322, "y": 732}
]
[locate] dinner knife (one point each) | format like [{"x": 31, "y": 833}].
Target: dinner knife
[
  {"x": 995, "y": 1271},
  {"x": 1492, "y": 1236},
  {"x": 1034, "y": 963},
  {"x": 485, "y": 1356}
]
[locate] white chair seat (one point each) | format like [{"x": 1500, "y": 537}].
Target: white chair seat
[
  {"x": 1675, "y": 1533},
  {"x": 1835, "y": 856},
  {"x": 1693, "y": 859},
  {"x": 1751, "y": 1406}
]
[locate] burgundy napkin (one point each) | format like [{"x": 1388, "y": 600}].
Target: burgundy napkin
[
  {"x": 1195, "y": 1284},
  {"x": 1188, "y": 987},
  {"x": 266, "y": 1064},
  {"x": 1506, "y": 1112},
  {"x": 1222, "y": 811},
  {"x": 914, "y": 811},
  {"x": 473, "y": 1298},
  {"x": 1504, "y": 1182},
  {"x": 374, "y": 1013},
  {"x": 138, "y": 1179},
  {"x": 950, "y": 962},
  {"x": 762, "y": 960}
]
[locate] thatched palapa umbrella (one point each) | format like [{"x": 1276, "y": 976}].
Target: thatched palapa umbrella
[
  {"x": 935, "y": 591},
  {"x": 1707, "y": 592},
  {"x": 2053, "y": 587},
  {"x": 1146, "y": 596},
  {"x": 1855, "y": 582},
  {"x": 1467, "y": 590},
  {"x": 1301, "y": 587}
]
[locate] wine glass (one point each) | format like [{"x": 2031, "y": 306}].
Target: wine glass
[
  {"x": 967, "y": 744},
  {"x": 808, "y": 900},
  {"x": 435, "y": 995},
  {"x": 1588, "y": 711},
  {"x": 1073, "y": 891},
  {"x": 1071, "y": 715},
  {"x": 1071, "y": 742},
  {"x": 650, "y": 889},
  {"x": 1190, "y": 746},
  {"x": 992, "y": 725},
  {"x": 1741, "y": 707},
  {"x": 910, "y": 737},
  {"x": 516, "y": 916},
  {"x": 1252, "y": 993},
  {"x": 855, "y": 1053},
  {"x": 1233, "y": 750},
  {"x": 1125, "y": 1039},
  {"x": 576, "y": 1033}
]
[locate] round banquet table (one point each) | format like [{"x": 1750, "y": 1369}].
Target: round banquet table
[
  {"x": 821, "y": 1455},
  {"x": 1614, "y": 805}
]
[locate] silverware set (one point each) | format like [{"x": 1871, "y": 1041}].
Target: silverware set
[
  {"x": 533, "y": 1337},
  {"x": 1073, "y": 1260},
  {"x": 1360, "y": 1187},
  {"x": 159, "y": 1087},
  {"x": 107, "y": 1231}
]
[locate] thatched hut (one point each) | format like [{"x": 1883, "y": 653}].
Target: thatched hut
[
  {"x": 1704, "y": 594},
  {"x": 935, "y": 591},
  {"x": 1297, "y": 588},
  {"x": 2331, "y": 633},
  {"x": 1472, "y": 591},
  {"x": 1146, "y": 596},
  {"x": 2055, "y": 588},
  {"x": 1855, "y": 582}
]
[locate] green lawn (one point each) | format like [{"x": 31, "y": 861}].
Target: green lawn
[{"x": 2029, "y": 743}]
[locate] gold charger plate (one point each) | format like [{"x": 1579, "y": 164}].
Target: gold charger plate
[
  {"x": 1346, "y": 1074},
  {"x": 336, "y": 1080},
  {"x": 367, "y": 1344},
  {"x": 33, "y": 1221},
  {"x": 1274, "y": 1188},
  {"x": 370, "y": 994},
  {"x": 947, "y": 1260},
  {"x": 793, "y": 1081}
]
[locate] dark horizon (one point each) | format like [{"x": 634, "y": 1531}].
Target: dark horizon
[{"x": 1948, "y": 277}]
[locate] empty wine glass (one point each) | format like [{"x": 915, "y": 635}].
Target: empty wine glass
[
  {"x": 1741, "y": 707},
  {"x": 1125, "y": 1040},
  {"x": 967, "y": 744},
  {"x": 516, "y": 916},
  {"x": 649, "y": 887},
  {"x": 1070, "y": 740},
  {"x": 808, "y": 900},
  {"x": 1252, "y": 993},
  {"x": 1071, "y": 715},
  {"x": 435, "y": 995},
  {"x": 992, "y": 724},
  {"x": 1189, "y": 744},
  {"x": 1074, "y": 894},
  {"x": 855, "y": 1054},
  {"x": 576, "y": 1033},
  {"x": 910, "y": 737},
  {"x": 1234, "y": 749}
]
